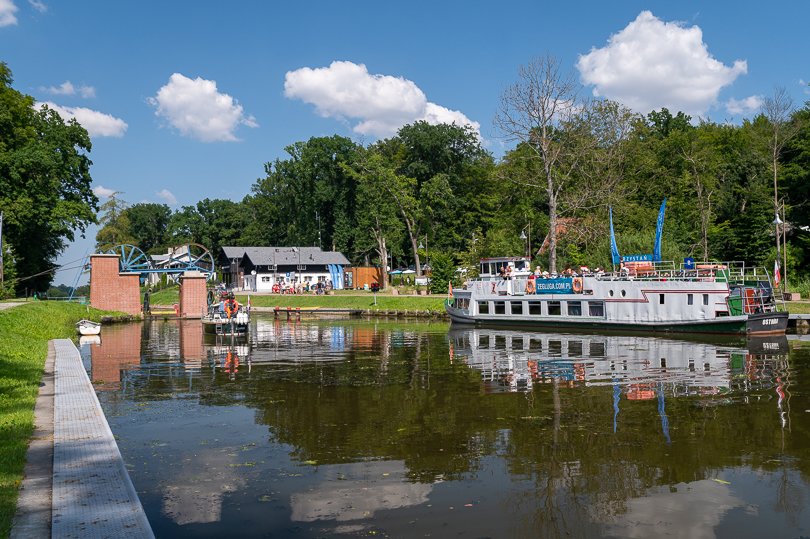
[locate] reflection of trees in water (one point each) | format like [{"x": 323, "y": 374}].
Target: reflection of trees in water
[{"x": 399, "y": 397}]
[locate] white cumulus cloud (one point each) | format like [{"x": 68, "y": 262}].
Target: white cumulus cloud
[
  {"x": 196, "y": 109},
  {"x": 67, "y": 88},
  {"x": 652, "y": 64},
  {"x": 39, "y": 6},
  {"x": 102, "y": 192},
  {"x": 381, "y": 104},
  {"x": 7, "y": 13},
  {"x": 167, "y": 196},
  {"x": 744, "y": 106},
  {"x": 97, "y": 123}
]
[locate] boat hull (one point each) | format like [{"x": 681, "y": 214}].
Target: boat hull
[
  {"x": 767, "y": 323},
  {"x": 729, "y": 325},
  {"x": 223, "y": 327},
  {"x": 88, "y": 328}
]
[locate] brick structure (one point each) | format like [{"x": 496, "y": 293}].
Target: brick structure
[
  {"x": 111, "y": 290},
  {"x": 193, "y": 303}
]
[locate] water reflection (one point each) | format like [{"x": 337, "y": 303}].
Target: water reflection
[
  {"x": 642, "y": 366},
  {"x": 351, "y": 428}
]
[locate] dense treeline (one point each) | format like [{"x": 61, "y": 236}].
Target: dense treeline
[
  {"x": 436, "y": 192},
  {"x": 433, "y": 190}
]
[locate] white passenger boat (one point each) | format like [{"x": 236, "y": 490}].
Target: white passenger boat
[{"x": 642, "y": 296}]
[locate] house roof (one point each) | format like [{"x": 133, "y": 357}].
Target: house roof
[
  {"x": 286, "y": 256},
  {"x": 233, "y": 252}
]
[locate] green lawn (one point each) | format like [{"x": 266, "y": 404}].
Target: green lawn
[
  {"x": 360, "y": 300},
  {"x": 798, "y": 307},
  {"x": 24, "y": 334},
  {"x": 342, "y": 299}
]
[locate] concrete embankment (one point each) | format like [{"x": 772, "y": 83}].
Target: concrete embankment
[{"x": 76, "y": 484}]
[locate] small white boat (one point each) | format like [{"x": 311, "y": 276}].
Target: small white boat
[{"x": 88, "y": 327}]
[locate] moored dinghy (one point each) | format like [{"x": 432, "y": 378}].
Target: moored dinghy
[{"x": 88, "y": 327}]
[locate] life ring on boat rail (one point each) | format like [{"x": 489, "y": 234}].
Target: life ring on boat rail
[{"x": 576, "y": 285}]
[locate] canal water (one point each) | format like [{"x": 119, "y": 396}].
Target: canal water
[{"x": 344, "y": 428}]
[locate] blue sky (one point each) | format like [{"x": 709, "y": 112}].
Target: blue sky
[{"x": 188, "y": 100}]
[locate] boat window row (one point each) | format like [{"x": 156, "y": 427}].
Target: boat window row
[{"x": 543, "y": 308}]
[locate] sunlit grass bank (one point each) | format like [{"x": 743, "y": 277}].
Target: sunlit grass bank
[
  {"x": 24, "y": 334},
  {"x": 339, "y": 300}
]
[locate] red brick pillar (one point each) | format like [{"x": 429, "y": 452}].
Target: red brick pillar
[
  {"x": 111, "y": 290},
  {"x": 192, "y": 295}
]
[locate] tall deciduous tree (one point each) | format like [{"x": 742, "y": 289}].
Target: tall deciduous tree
[
  {"x": 531, "y": 112},
  {"x": 45, "y": 182},
  {"x": 379, "y": 227},
  {"x": 778, "y": 109}
]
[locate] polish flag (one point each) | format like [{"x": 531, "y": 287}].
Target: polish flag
[{"x": 776, "y": 277}]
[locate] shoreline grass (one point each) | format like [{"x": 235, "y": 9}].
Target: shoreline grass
[
  {"x": 341, "y": 299},
  {"x": 362, "y": 301},
  {"x": 24, "y": 334}
]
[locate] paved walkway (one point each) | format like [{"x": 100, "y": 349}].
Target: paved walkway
[{"x": 91, "y": 495}]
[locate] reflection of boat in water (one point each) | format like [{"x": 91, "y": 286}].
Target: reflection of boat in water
[
  {"x": 516, "y": 360},
  {"x": 229, "y": 357}
]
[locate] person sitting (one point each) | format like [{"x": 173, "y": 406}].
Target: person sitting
[{"x": 231, "y": 306}]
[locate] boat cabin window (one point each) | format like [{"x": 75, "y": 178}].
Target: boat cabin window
[
  {"x": 596, "y": 308},
  {"x": 575, "y": 348},
  {"x": 661, "y": 298},
  {"x": 554, "y": 348},
  {"x": 500, "y": 342},
  {"x": 705, "y": 299},
  {"x": 535, "y": 345},
  {"x": 483, "y": 307},
  {"x": 483, "y": 341},
  {"x": 500, "y": 307},
  {"x": 536, "y": 307},
  {"x": 554, "y": 308},
  {"x": 596, "y": 349},
  {"x": 517, "y": 343},
  {"x": 690, "y": 299},
  {"x": 574, "y": 308},
  {"x": 516, "y": 307}
]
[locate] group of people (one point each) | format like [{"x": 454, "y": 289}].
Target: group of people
[
  {"x": 318, "y": 288},
  {"x": 505, "y": 272}
]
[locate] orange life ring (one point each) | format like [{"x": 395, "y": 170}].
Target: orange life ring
[{"x": 576, "y": 285}]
